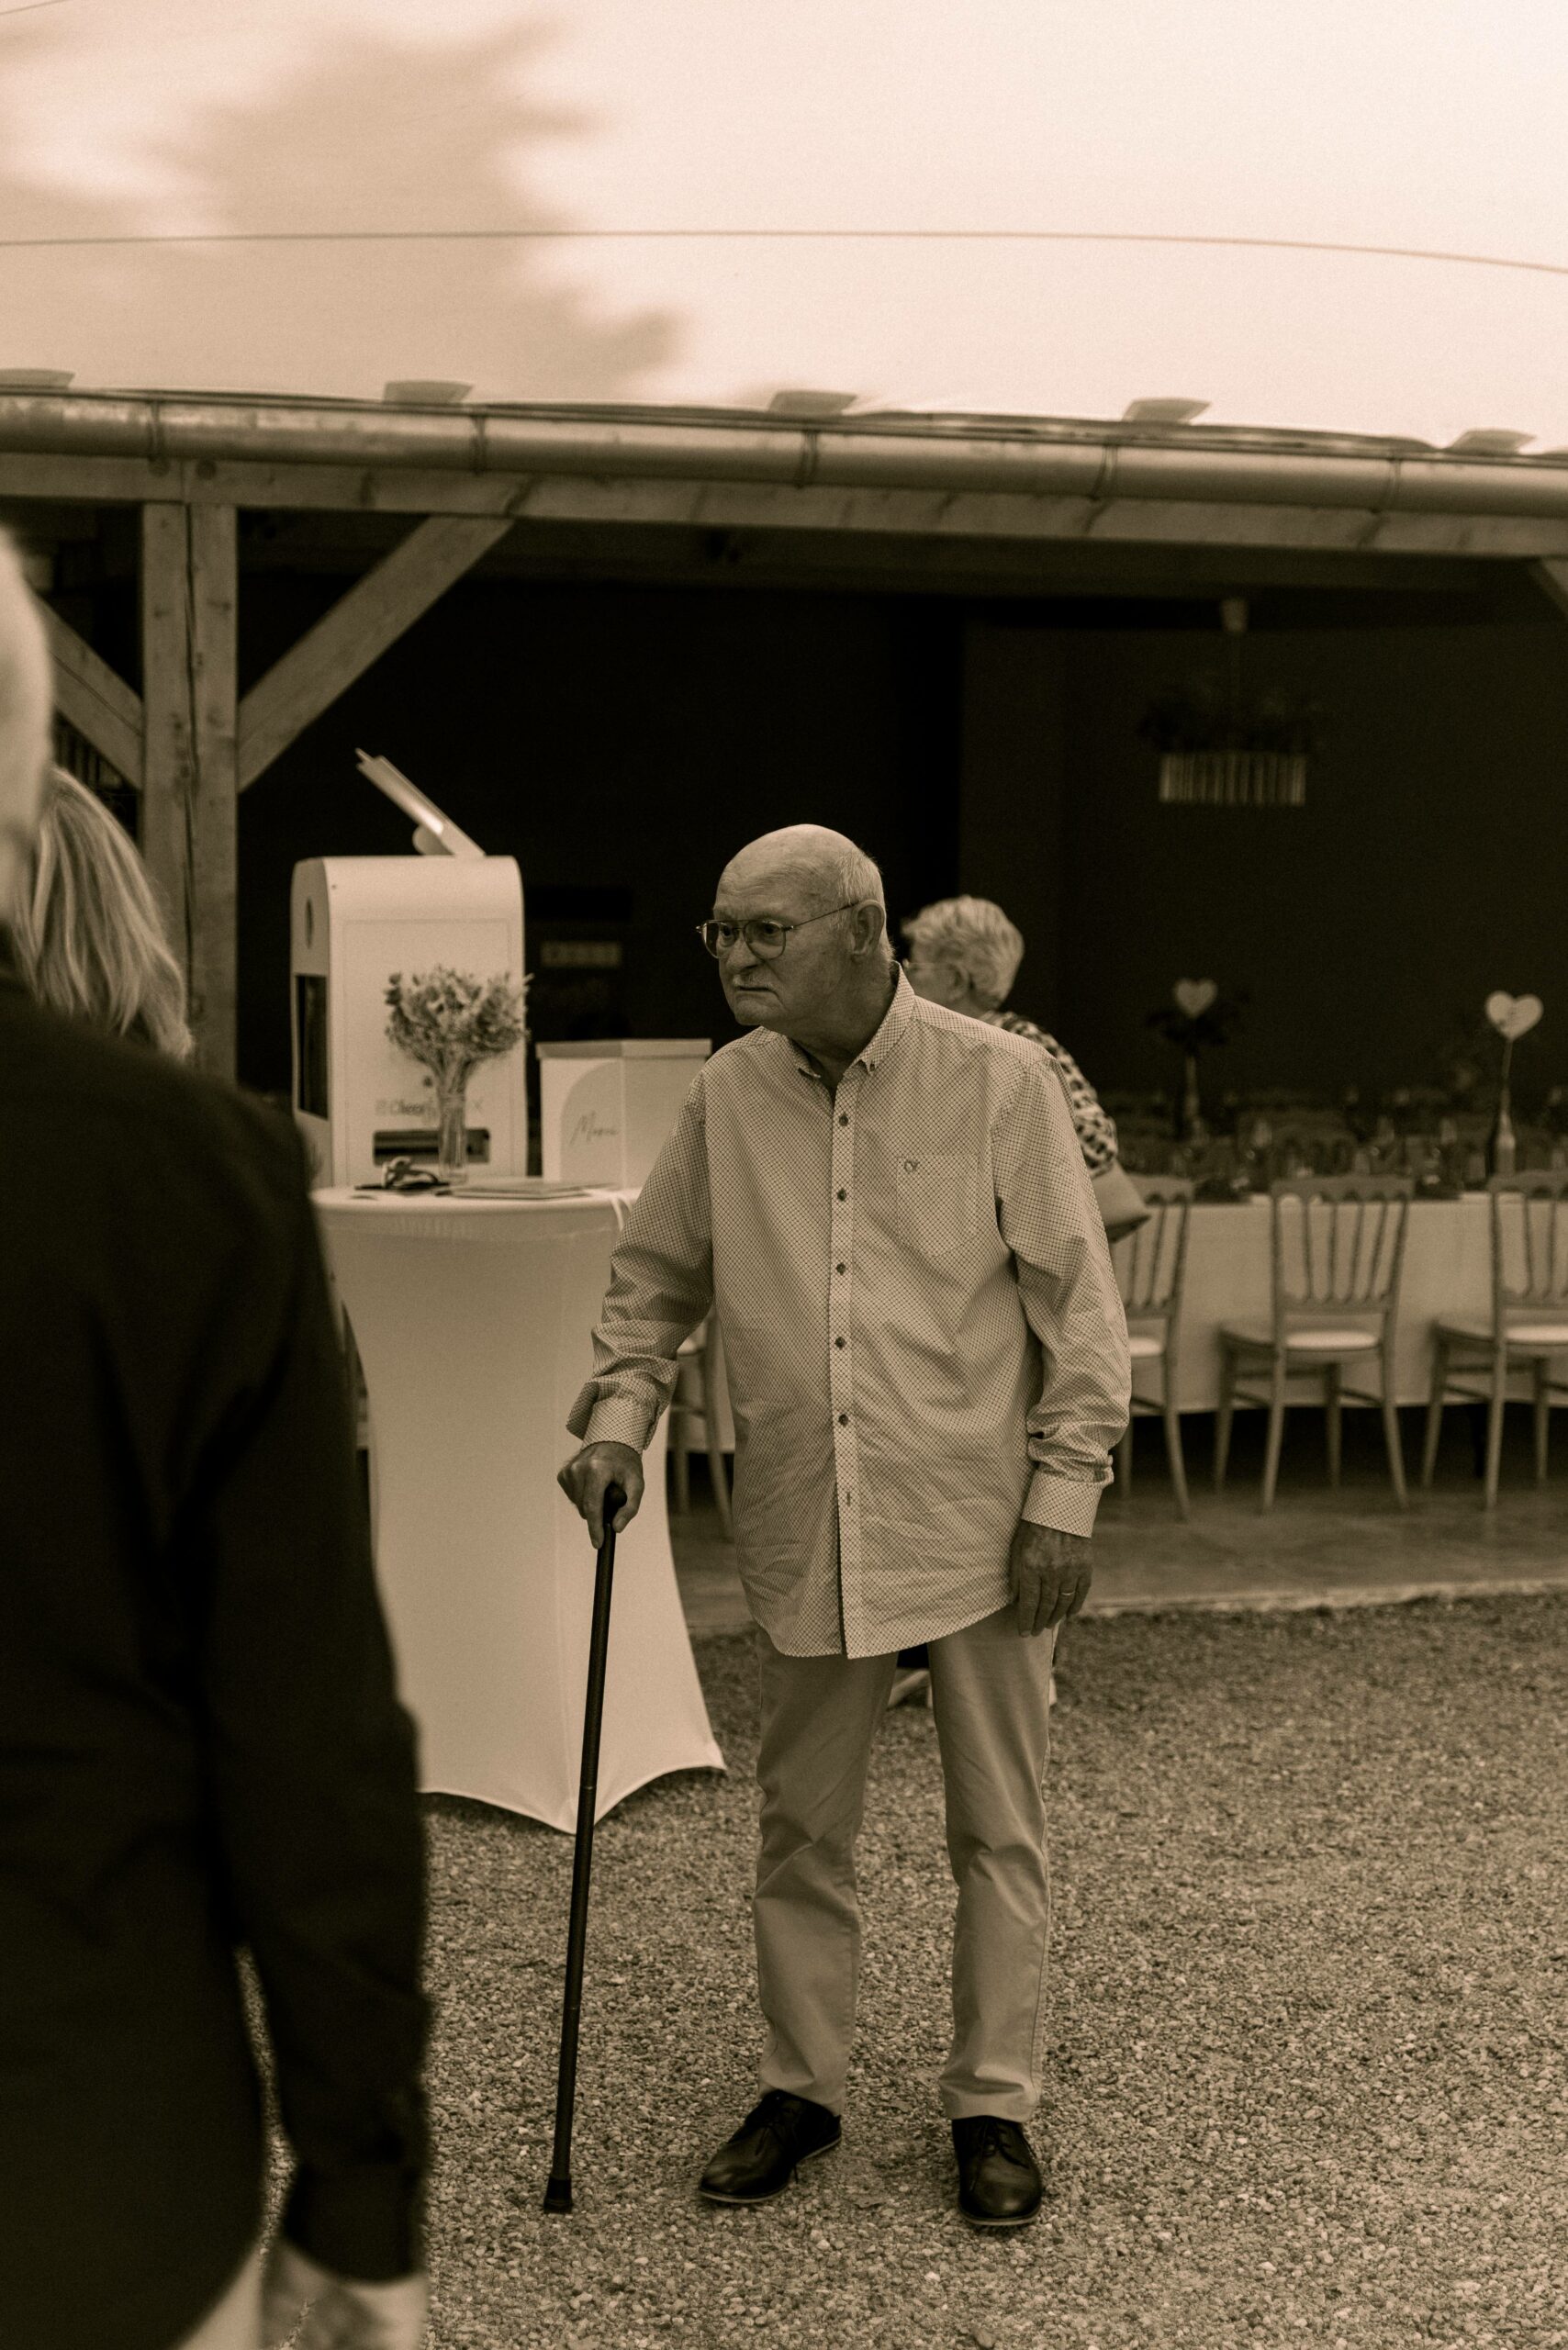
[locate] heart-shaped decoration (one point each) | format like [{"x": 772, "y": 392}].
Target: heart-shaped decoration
[
  {"x": 1194, "y": 996},
  {"x": 1511, "y": 1015}
]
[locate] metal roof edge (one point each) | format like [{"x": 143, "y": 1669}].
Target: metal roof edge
[
  {"x": 941, "y": 423},
  {"x": 1079, "y": 459}
]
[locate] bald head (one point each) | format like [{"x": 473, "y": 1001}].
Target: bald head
[
  {"x": 26, "y": 706},
  {"x": 825, "y": 866}
]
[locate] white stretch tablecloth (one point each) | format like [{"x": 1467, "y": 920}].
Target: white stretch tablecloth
[
  {"x": 1447, "y": 1270},
  {"x": 473, "y": 1320}
]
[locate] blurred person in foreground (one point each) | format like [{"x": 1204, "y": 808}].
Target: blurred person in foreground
[
  {"x": 887, "y": 1208},
  {"x": 200, "y": 1742},
  {"x": 86, "y": 931},
  {"x": 965, "y": 953}
]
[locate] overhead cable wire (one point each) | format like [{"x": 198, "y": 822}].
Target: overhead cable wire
[{"x": 826, "y": 236}]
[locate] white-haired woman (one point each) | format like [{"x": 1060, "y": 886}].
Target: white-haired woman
[
  {"x": 964, "y": 952},
  {"x": 85, "y": 933}
]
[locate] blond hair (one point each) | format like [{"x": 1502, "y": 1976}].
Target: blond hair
[
  {"x": 976, "y": 934},
  {"x": 88, "y": 938},
  {"x": 26, "y": 699}
]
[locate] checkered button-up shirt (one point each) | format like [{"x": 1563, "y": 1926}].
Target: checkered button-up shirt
[{"x": 923, "y": 1330}]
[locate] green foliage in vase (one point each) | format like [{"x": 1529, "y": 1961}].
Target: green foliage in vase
[{"x": 449, "y": 1021}]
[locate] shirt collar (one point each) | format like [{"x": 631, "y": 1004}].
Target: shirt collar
[{"x": 897, "y": 1018}]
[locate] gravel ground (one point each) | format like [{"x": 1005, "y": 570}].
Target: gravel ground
[{"x": 1310, "y": 2000}]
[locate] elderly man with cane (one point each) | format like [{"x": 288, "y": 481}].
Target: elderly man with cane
[{"x": 886, "y": 1205}]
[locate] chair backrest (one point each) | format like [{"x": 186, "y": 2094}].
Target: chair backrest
[
  {"x": 1337, "y": 1246},
  {"x": 1152, "y": 1263},
  {"x": 1529, "y": 1243}
]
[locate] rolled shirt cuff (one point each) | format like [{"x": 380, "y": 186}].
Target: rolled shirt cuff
[
  {"x": 610, "y": 1420},
  {"x": 1063, "y": 1503},
  {"x": 366, "y": 2222}
]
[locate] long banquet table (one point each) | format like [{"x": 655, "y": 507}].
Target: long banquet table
[
  {"x": 473, "y": 1321},
  {"x": 1447, "y": 1270}
]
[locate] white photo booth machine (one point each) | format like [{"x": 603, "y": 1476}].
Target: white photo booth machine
[{"x": 359, "y": 1101}]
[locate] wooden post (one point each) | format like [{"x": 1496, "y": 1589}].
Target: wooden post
[{"x": 189, "y": 770}]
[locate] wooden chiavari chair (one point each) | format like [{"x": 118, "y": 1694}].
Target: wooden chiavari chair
[
  {"x": 1337, "y": 1255},
  {"x": 1528, "y": 1325},
  {"x": 700, "y": 1369},
  {"x": 1151, "y": 1265}
]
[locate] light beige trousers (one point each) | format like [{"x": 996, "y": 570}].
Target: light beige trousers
[
  {"x": 235, "y": 2321},
  {"x": 990, "y": 1697}
]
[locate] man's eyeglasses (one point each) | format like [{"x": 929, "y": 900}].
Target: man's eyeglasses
[{"x": 766, "y": 939}]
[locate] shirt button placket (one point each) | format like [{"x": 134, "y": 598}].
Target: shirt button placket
[{"x": 840, "y": 1357}]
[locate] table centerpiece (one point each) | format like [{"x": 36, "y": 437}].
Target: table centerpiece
[{"x": 450, "y": 1022}]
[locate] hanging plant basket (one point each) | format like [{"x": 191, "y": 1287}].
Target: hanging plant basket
[
  {"x": 1234, "y": 778},
  {"x": 1218, "y": 751}
]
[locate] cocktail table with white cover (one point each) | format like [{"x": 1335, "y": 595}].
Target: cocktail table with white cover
[{"x": 473, "y": 1318}]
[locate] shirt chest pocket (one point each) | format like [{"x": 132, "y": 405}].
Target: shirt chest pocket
[{"x": 938, "y": 1201}]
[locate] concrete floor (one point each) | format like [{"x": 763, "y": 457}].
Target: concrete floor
[{"x": 1317, "y": 1548}]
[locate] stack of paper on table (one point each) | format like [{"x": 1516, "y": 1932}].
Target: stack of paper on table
[{"x": 523, "y": 1187}]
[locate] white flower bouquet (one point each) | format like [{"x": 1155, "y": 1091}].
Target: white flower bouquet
[{"x": 450, "y": 1021}]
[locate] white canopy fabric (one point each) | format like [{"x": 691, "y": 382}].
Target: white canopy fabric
[{"x": 1044, "y": 207}]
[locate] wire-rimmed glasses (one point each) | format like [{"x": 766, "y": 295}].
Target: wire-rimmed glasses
[{"x": 766, "y": 939}]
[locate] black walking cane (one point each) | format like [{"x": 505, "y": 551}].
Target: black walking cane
[{"x": 558, "y": 2193}]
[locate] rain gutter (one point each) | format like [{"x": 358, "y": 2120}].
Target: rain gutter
[{"x": 976, "y": 457}]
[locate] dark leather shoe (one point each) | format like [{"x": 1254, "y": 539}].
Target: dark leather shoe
[
  {"x": 999, "y": 2180},
  {"x": 759, "y": 2161}
]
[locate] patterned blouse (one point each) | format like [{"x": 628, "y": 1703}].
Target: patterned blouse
[{"x": 1096, "y": 1127}]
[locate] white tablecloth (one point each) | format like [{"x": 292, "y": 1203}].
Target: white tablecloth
[
  {"x": 1447, "y": 1270},
  {"x": 473, "y": 1320}
]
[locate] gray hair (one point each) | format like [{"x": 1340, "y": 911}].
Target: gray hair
[
  {"x": 976, "y": 934},
  {"x": 26, "y": 701},
  {"x": 859, "y": 880}
]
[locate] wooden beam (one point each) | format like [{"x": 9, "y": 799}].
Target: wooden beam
[
  {"x": 373, "y": 615},
  {"x": 1550, "y": 574},
  {"x": 167, "y": 748},
  {"x": 188, "y": 802},
  {"x": 96, "y": 699},
  {"x": 214, "y": 669},
  {"x": 572, "y": 498}
]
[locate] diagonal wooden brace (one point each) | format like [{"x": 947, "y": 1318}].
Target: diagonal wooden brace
[{"x": 372, "y": 616}]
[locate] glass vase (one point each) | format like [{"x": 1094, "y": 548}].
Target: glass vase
[
  {"x": 1189, "y": 1120},
  {"x": 1501, "y": 1144},
  {"x": 452, "y": 1129}
]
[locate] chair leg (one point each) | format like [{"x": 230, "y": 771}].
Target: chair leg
[
  {"x": 717, "y": 1468},
  {"x": 1476, "y": 1418},
  {"x": 1434, "y": 1410},
  {"x": 1542, "y": 1415},
  {"x": 1391, "y": 1430},
  {"x": 1494, "y": 1427},
  {"x": 680, "y": 1462},
  {"x": 1331, "y": 1418},
  {"x": 1225, "y": 1413},
  {"x": 1276, "y": 1431},
  {"x": 1172, "y": 1419},
  {"x": 1125, "y": 1458}
]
